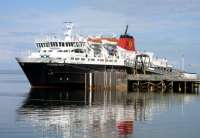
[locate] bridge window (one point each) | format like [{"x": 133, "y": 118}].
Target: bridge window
[
  {"x": 51, "y": 44},
  {"x": 63, "y": 44},
  {"x": 60, "y": 43}
]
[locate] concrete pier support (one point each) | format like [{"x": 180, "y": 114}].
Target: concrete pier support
[
  {"x": 90, "y": 86},
  {"x": 192, "y": 87},
  {"x": 163, "y": 86},
  {"x": 185, "y": 87},
  {"x": 179, "y": 87},
  {"x": 85, "y": 88},
  {"x": 197, "y": 87},
  {"x": 172, "y": 86}
]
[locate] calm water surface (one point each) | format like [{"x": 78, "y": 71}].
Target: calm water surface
[{"x": 63, "y": 113}]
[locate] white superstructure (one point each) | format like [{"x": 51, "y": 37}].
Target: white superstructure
[{"x": 79, "y": 50}]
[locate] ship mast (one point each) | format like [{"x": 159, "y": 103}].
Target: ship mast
[
  {"x": 125, "y": 33},
  {"x": 68, "y": 31}
]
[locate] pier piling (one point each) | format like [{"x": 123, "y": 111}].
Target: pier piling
[
  {"x": 90, "y": 94},
  {"x": 85, "y": 88}
]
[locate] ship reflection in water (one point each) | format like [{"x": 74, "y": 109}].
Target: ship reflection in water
[{"x": 66, "y": 113}]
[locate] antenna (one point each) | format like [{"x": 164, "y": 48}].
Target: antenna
[{"x": 126, "y": 30}]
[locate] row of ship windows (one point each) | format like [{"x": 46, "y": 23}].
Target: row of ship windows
[
  {"x": 92, "y": 59},
  {"x": 76, "y": 51},
  {"x": 83, "y": 59},
  {"x": 60, "y": 44},
  {"x": 57, "y": 51}
]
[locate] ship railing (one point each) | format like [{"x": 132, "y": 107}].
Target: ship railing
[
  {"x": 26, "y": 53},
  {"x": 155, "y": 77}
]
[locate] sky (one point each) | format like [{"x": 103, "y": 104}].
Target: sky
[{"x": 169, "y": 28}]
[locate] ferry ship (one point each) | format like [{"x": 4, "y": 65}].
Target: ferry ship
[{"x": 65, "y": 61}]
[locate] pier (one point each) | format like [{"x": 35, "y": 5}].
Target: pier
[
  {"x": 120, "y": 81},
  {"x": 166, "y": 82}
]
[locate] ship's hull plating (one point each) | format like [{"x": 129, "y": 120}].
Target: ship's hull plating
[{"x": 62, "y": 74}]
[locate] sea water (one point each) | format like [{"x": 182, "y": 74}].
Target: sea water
[{"x": 65, "y": 113}]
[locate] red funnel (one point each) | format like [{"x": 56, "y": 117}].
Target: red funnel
[{"x": 127, "y": 42}]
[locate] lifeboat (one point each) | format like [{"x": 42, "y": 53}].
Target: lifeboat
[
  {"x": 94, "y": 41},
  {"x": 110, "y": 41},
  {"x": 103, "y": 41}
]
